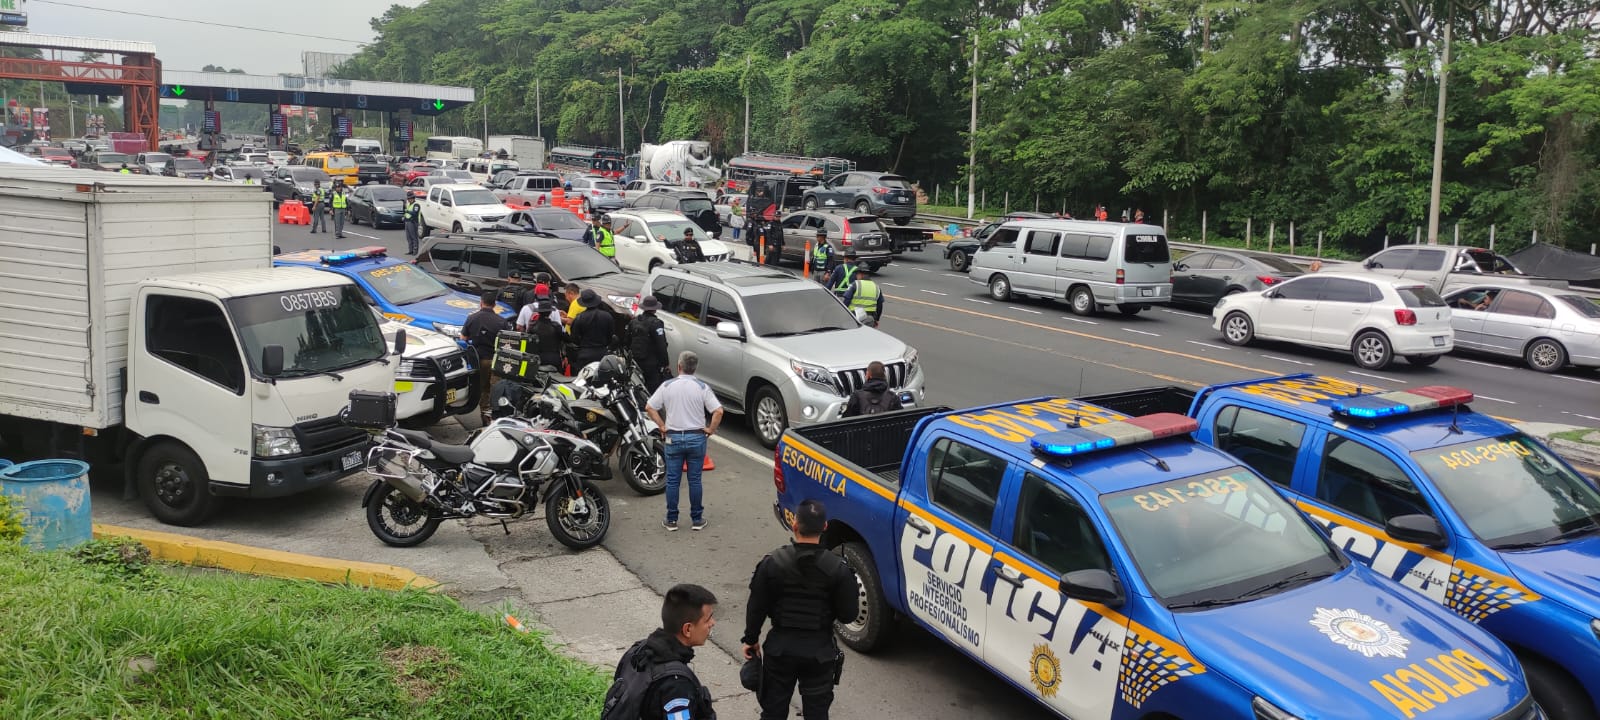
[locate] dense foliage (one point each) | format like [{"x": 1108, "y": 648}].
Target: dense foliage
[{"x": 1319, "y": 112}]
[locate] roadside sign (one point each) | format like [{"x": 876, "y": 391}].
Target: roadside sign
[
  {"x": 280, "y": 124},
  {"x": 231, "y": 94},
  {"x": 299, "y": 98},
  {"x": 361, "y": 102}
]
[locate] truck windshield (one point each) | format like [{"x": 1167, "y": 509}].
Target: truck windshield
[
  {"x": 796, "y": 313},
  {"x": 1217, "y": 538},
  {"x": 1512, "y": 492},
  {"x": 464, "y": 198},
  {"x": 320, "y": 329},
  {"x": 403, "y": 284}
]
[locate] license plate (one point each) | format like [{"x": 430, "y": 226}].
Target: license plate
[
  {"x": 897, "y": 200},
  {"x": 449, "y": 396},
  {"x": 1147, "y": 292},
  {"x": 1438, "y": 341},
  {"x": 351, "y": 459}
]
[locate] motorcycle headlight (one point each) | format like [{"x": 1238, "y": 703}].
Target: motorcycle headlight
[
  {"x": 274, "y": 441},
  {"x": 1267, "y": 711},
  {"x": 454, "y": 331},
  {"x": 814, "y": 374}
]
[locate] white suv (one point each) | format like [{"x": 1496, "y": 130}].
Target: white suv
[
  {"x": 461, "y": 208},
  {"x": 1374, "y": 317},
  {"x": 645, "y": 239}
]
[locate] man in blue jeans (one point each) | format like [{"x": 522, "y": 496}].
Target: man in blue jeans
[{"x": 692, "y": 416}]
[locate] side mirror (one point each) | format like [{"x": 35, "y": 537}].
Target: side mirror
[
  {"x": 1370, "y": 264},
  {"x": 272, "y": 360},
  {"x": 1092, "y": 586},
  {"x": 730, "y": 330},
  {"x": 400, "y": 342},
  {"x": 1270, "y": 294},
  {"x": 1418, "y": 529},
  {"x": 1180, "y": 267}
]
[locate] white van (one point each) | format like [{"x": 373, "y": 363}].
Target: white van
[
  {"x": 484, "y": 168},
  {"x": 1091, "y": 264},
  {"x": 356, "y": 146}
]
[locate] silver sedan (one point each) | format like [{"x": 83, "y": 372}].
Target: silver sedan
[{"x": 1548, "y": 328}]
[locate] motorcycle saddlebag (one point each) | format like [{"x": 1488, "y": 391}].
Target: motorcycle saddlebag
[
  {"x": 371, "y": 410},
  {"x": 516, "y": 342},
  {"x": 516, "y": 365}
]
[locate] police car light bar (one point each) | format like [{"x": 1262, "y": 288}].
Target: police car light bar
[
  {"x": 371, "y": 251},
  {"x": 1402, "y": 402},
  {"x": 1122, "y": 433}
]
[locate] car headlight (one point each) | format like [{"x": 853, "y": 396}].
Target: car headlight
[
  {"x": 1595, "y": 626},
  {"x": 909, "y": 357},
  {"x": 454, "y": 331},
  {"x": 814, "y": 374},
  {"x": 411, "y": 369},
  {"x": 1267, "y": 711},
  {"x": 274, "y": 441},
  {"x": 622, "y": 301},
  {"x": 475, "y": 218}
]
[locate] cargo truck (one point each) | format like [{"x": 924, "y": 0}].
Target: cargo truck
[{"x": 142, "y": 325}]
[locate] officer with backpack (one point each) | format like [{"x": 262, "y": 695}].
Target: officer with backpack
[
  {"x": 653, "y": 680},
  {"x": 874, "y": 396},
  {"x": 804, "y": 590}
]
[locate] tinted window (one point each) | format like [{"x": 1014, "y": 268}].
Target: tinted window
[
  {"x": 1198, "y": 261},
  {"x": 1427, "y": 260},
  {"x": 1364, "y": 483},
  {"x": 385, "y": 192},
  {"x": 1515, "y": 302},
  {"x": 801, "y": 312},
  {"x": 484, "y": 262},
  {"x": 1303, "y": 289},
  {"x": 526, "y": 263},
  {"x": 403, "y": 284},
  {"x": 893, "y": 181},
  {"x": 1266, "y": 443},
  {"x": 1224, "y": 262},
  {"x": 194, "y": 335},
  {"x": 1393, "y": 259},
  {"x": 1277, "y": 264},
  {"x": 1346, "y": 290},
  {"x": 1419, "y": 296},
  {"x": 863, "y": 225},
  {"x": 1054, "y": 529},
  {"x": 1146, "y": 249},
  {"x": 965, "y": 481},
  {"x": 721, "y": 308},
  {"x": 1584, "y": 306},
  {"x": 1099, "y": 248},
  {"x": 1041, "y": 242},
  {"x": 691, "y": 302},
  {"x": 446, "y": 256},
  {"x": 666, "y": 290},
  {"x": 690, "y": 206},
  {"x": 579, "y": 262}
]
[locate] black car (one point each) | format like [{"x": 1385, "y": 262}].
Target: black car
[
  {"x": 294, "y": 183},
  {"x": 371, "y": 168},
  {"x": 692, "y": 204},
  {"x": 184, "y": 167},
  {"x": 959, "y": 251},
  {"x": 553, "y": 222},
  {"x": 377, "y": 205},
  {"x": 1207, "y": 276},
  {"x": 474, "y": 263}
]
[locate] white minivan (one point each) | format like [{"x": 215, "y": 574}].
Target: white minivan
[
  {"x": 1092, "y": 265},
  {"x": 363, "y": 146}
]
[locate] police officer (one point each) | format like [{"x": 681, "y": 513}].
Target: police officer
[
  {"x": 410, "y": 215},
  {"x": 606, "y": 243},
  {"x": 804, "y": 590},
  {"x": 822, "y": 256},
  {"x": 340, "y": 204},
  {"x": 840, "y": 277},
  {"x": 125, "y": 170},
  {"x": 481, "y": 331},
  {"x": 647, "y": 341},
  {"x": 317, "y": 196},
  {"x": 592, "y": 330},
  {"x": 864, "y": 295}
]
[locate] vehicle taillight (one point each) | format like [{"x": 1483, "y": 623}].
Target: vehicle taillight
[
  {"x": 1268, "y": 279},
  {"x": 846, "y": 240},
  {"x": 595, "y": 193},
  {"x": 880, "y": 190},
  {"x": 1404, "y": 316},
  {"x": 1122, "y": 277},
  {"x": 777, "y": 469}
]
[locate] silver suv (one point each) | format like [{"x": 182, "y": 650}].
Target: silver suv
[{"x": 778, "y": 348}]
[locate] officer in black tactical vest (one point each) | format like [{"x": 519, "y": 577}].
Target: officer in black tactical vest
[{"x": 803, "y": 589}]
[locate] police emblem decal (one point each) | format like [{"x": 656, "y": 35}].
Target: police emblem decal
[
  {"x": 1045, "y": 671},
  {"x": 1360, "y": 633}
]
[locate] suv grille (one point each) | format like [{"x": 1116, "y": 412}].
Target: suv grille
[
  {"x": 852, "y": 380},
  {"x": 319, "y": 436}
]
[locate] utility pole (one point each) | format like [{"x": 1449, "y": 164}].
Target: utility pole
[
  {"x": 1438, "y": 142},
  {"x": 538, "y": 110},
  {"x": 747, "y": 104},
  {"x": 622, "y": 127},
  {"x": 972, "y": 131},
  {"x": 486, "y": 116}
]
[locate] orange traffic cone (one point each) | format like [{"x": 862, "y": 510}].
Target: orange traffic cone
[
  {"x": 806, "y": 272},
  {"x": 705, "y": 466}
]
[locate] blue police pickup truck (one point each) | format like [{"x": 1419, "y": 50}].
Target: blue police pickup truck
[
  {"x": 1456, "y": 505},
  {"x": 1113, "y": 567}
]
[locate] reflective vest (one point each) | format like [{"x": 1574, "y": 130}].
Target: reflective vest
[
  {"x": 607, "y": 245},
  {"x": 125, "y": 171},
  {"x": 249, "y": 180},
  {"x": 411, "y": 212},
  {"x": 844, "y": 279},
  {"x": 819, "y": 254},
  {"x": 866, "y": 296},
  {"x": 339, "y": 201},
  {"x": 317, "y": 195}
]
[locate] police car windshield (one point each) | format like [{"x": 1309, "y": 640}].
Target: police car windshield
[
  {"x": 1512, "y": 492},
  {"x": 319, "y": 329},
  {"x": 403, "y": 284},
  {"x": 1217, "y": 538}
]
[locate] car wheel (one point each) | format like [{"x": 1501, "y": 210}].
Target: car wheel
[
  {"x": 1423, "y": 360},
  {"x": 1082, "y": 301},
  {"x": 1546, "y": 355},
  {"x": 1237, "y": 329},
  {"x": 1000, "y": 287},
  {"x": 423, "y": 228},
  {"x": 902, "y": 221},
  {"x": 174, "y": 486},
  {"x": 959, "y": 261},
  {"x": 873, "y": 614},
  {"x": 455, "y": 228},
  {"x": 863, "y": 207},
  {"x": 653, "y": 265},
  {"x": 768, "y": 417},
  {"x": 1371, "y": 350},
  {"x": 355, "y": 219},
  {"x": 811, "y": 202}
]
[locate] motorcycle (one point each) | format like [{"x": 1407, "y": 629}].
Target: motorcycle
[{"x": 505, "y": 470}]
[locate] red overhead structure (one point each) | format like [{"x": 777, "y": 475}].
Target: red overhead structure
[{"x": 136, "y": 77}]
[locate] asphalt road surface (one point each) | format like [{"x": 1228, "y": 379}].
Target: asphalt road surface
[{"x": 978, "y": 351}]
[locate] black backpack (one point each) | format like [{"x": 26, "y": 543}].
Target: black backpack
[
  {"x": 873, "y": 403},
  {"x": 635, "y": 674}
]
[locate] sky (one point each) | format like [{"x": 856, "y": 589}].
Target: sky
[{"x": 191, "y": 46}]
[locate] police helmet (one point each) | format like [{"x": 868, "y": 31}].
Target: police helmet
[{"x": 612, "y": 368}]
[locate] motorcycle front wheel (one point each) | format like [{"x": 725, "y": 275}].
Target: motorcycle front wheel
[
  {"x": 577, "y": 521},
  {"x": 398, "y": 521},
  {"x": 644, "y": 469}
]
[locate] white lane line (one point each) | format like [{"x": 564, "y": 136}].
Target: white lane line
[
  {"x": 747, "y": 452},
  {"x": 1209, "y": 345},
  {"x": 1586, "y": 417},
  {"x": 1479, "y": 362},
  {"x": 1486, "y": 397},
  {"x": 1141, "y": 332},
  {"x": 1376, "y": 377},
  {"x": 1023, "y": 309},
  {"x": 932, "y": 292},
  {"x": 890, "y": 284},
  {"x": 980, "y": 302},
  {"x": 1079, "y": 320},
  {"x": 922, "y": 269},
  {"x": 1284, "y": 359},
  {"x": 958, "y": 276},
  {"x": 1564, "y": 377},
  {"x": 369, "y": 237},
  {"x": 1180, "y": 312}
]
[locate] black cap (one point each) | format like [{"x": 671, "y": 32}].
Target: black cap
[
  {"x": 490, "y": 296},
  {"x": 688, "y": 231}
]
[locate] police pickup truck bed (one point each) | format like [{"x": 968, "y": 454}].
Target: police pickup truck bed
[
  {"x": 1112, "y": 567},
  {"x": 1451, "y": 503}
]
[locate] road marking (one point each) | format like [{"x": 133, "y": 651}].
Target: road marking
[
  {"x": 955, "y": 275},
  {"x": 1486, "y": 397},
  {"x": 369, "y": 237},
  {"x": 1050, "y": 351},
  {"x": 1209, "y": 345},
  {"x": 890, "y": 284},
  {"x": 1376, "y": 377},
  {"x": 922, "y": 269},
  {"x": 1141, "y": 332},
  {"x": 1023, "y": 309},
  {"x": 981, "y": 302},
  {"x": 1090, "y": 336},
  {"x": 1284, "y": 359},
  {"x": 742, "y": 450},
  {"x": 1564, "y": 377},
  {"x": 1479, "y": 362},
  {"x": 1586, "y": 417},
  {"x": 932, "y": 292},
  {"x": 1079, "y": 320},
  {"x": 1180, "y": 312}
]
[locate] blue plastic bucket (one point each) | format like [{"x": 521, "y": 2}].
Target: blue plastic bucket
[{"x": 53, "y": 497}]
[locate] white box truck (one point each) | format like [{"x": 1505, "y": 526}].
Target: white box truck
[{"x": 141, "y": 323}]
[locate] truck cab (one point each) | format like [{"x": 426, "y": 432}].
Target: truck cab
[{"x": 1112, "y": 567}]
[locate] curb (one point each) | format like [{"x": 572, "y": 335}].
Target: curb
[{"x": 252, "y": 560}]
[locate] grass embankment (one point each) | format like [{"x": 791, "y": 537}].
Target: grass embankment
[{"x": 100, "y": 634}]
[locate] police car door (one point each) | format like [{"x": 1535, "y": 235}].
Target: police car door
[
  {"x": 946, "y": 543},
  {"x": 1067, "y": 653}
]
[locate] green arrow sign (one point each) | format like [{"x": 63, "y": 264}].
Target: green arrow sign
[
  {"x": 438, "y": 104},
  {"x": 177, "y": 90}
]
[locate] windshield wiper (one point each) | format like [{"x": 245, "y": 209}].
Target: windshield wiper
[
  {"x": 308, "y": 373},
  {"x": 1560, "y": 537},
  {"x": 1280, "y": 583},
  {"x": 824, "y": 328},
  {"x": 1212, "y": 602}
]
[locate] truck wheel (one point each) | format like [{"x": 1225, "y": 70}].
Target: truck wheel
[
  {"x": 1082, "y": 301},
  {"x": 423, "y": 228},
  {"x": 768, "y": 417},
  {"x": 1000, "y": 287},
  {"x": 455, "y": 228},
  {"x": 811, "y": 203},
  {"x": 902, "y": 221},
  {"x": 868, "y": 631},
  {"x": 1546, "y": 355},
  {"x": 174, "y": 485},
  {"x": 958, "y": 260},
  {"x": 1561, "y": 697},
  {"x": 1371, "y": 350},
  {"x": 1129, "y": 310}
]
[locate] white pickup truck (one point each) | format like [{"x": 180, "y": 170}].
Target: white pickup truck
[
  {"x": 460, "y": 208},
  {"x": 142, "y": 324},
  {"x": 1447, "y": 268}
]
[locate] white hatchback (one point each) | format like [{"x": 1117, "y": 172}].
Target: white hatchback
[
  {"x": 1373, "y": 317},
  {"x": 649, "y": 238}
]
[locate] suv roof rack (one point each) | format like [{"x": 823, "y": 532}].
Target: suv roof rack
[{"x": 702, "y": 271}]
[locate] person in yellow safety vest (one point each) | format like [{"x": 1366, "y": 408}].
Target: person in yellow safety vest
[
  {"x": 606, "y": 241},
  {"x": 822, "y": 256},
  {"x": 340, "y": 204},
  {"x": 839, "y": 278},
  {"x": 317, "y": 194},
  {"x": 864, "y": 294},
  {"x": 125, "y": 170}
]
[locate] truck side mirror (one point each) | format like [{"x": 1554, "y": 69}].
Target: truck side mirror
[
  {"x": 272, "y": 360},
  {"x": 1096, "y": 586},
  {"x": 1419, "y": 529},
  {"x": 400, "y": 342}
]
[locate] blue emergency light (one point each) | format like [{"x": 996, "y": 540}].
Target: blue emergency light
[
  {"x": 348, "y": 256},
  {"x": 1402, "y": 402},
  {"x": 1122, "y": 433}
]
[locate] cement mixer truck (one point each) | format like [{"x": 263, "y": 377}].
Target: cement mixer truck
[{"x": 680, "y": 162}]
